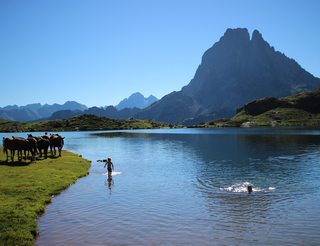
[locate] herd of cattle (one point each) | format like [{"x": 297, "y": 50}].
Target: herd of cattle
[{"x": 32, "y": 145}]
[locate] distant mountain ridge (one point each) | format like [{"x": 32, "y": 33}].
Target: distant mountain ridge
[
  {"x": 136, "y": 100},
  {"x": 37, "y": 111},
  {"x": 128, "y": 108},
  {"x": 109, "y": 112},
  {"x": 235, "y": 70}
]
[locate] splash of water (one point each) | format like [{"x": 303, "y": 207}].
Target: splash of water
[
  {"x": 243, "y": 187},
  {"x": 113, "y": 173}
]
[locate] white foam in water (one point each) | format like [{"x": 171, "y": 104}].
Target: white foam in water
[
  {"x": 242, "y": 187},
  {"x": 113, "y": 173},
  {"x": 239, "y": 187}
]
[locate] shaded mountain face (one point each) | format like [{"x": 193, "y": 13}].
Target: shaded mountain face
[
  {"x": 235, "y": 70},
  {"x": 136, "y": 100}
]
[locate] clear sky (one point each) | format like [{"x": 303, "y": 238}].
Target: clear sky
[{"x": 98, "y": 52}]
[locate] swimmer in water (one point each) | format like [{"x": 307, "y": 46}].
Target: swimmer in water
[{"x": 249, "y": 188}]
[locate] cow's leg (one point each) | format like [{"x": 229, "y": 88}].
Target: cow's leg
[
  {"x": 19, "y": 154},
  {"x": 12, "y": 154},
  {"x": 7, "y": 154}
]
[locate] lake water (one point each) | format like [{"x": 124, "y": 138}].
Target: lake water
[{"x": 188, "y": 187}]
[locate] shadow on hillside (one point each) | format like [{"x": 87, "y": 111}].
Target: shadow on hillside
[
  {"x": 53, "y": 157},
  {"x": 24, "y": 162},
  {"x": 15, "y": 163},
  {"x": 38, "y": 158}
]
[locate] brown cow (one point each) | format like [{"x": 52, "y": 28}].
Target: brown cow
[
  {"x": 43, "y": 144},
  {"x": 56, "y": 141},
  {"x": 8, "y": 145},
  {"x": 32, "y": 147},
  {"x": 13, "y": 144}
]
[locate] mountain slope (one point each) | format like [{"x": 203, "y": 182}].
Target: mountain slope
[{"x": 234, "y": 71}]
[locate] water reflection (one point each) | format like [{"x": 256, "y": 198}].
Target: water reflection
[{"x": 110, "y": 181}]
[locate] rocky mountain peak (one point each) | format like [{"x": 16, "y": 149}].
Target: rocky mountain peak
[
  {"x": 234, "y": 71},
  {"x": 239, "y": 34},
  {"x": 256, "y": 36},
  {"x": 257, "y": 40}
]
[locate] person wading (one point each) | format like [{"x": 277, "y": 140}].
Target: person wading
[{"x": 109, "y": 166}]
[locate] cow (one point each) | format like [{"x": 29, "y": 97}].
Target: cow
[
  {"x": 13, "y": 144},
  {"x": 32, "y": 147},
  {"x": 43, "y": 144},
  {"x": 56, "y": 141}
]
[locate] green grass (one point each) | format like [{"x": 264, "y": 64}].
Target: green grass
[{"x": 26, "y": 188}]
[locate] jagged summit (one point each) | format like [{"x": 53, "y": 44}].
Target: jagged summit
[
  {"x": 136, "y": 100},
  {"x": 256, "y": 36},
  {"x": 241, "y": 34},
  {"x": 235, "y": 70}
]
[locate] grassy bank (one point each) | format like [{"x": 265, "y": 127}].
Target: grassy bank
[{"x": 27, "y": 187}]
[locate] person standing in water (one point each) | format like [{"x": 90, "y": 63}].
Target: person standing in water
[{"x": 109, "y": 165}]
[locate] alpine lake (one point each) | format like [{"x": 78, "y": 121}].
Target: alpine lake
[{"x": 189, "y": 187}]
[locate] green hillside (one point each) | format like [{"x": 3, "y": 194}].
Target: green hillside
[
  {"x": 79, "y": 123},
  {"x": 300, "y": 110}
]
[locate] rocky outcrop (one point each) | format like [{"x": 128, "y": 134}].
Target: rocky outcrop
[
  {"x": 261, "y": 105},
  {"x": 308, "y": 101}
]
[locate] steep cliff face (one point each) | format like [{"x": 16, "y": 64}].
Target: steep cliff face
[{"x": 235, "y": 70}]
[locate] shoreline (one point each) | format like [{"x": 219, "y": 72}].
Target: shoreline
[{"x": 28, "y": 187}]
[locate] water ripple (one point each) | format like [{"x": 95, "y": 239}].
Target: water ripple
[{"x": 190, "y": 188}]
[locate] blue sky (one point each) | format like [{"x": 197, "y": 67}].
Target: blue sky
[{"x": 98, "y": 52}]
